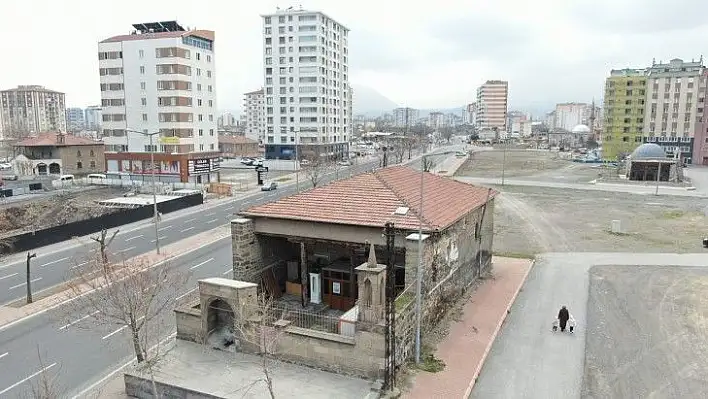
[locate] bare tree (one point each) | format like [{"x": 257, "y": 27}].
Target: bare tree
[
  {"x": 45, "y": 386},
  {"x": 428, "y": 164},
  {"x": 409, "y": 145},
  {"x": 398, "y": 148},
  {"x": 128, "y": 295},
  {"x": 446, "y": 133},
  {"x": 103, "y": 243},
  {"x": 315, "y": 168}
]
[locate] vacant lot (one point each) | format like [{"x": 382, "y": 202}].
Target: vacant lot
[
  {"x": 530, "y": 220},
  {"x": 646, "y": 333}
]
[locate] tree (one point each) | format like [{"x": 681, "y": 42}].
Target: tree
[
  {"x": 128, "y": 295},
  {"x": 409, "y": 144},
  {"x": 28, "y": 275},
  {"x": 45, "y": 386},
  {"x": 446, "y": 133},
  {"x": 315, "y": 168},
  {"x": 398, "y": 148},
  {"x": 103, "y": 244},
  {"x": 591, "y": 143},
  {"x": 428, "y": 164}
]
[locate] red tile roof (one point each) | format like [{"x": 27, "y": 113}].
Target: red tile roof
[
  {"x": 50, "y": 140},
  {"x": 236, "y": 140},
  {"x": 371, "y": 199}
]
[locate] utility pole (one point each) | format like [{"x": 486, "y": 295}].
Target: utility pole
[
  {"x": 154, "y": 186},
  {"x": 504, "y": 163},
  {"x": 390, "y": 338},
  {"x": 297, "y": 162},
  {"x": 29, "y": 276},
  {"x": 419, "y": 273}
]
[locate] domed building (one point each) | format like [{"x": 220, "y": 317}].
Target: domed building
[
  {"x": 581, "y": 130},
  {"x": 649, "y": 161}
]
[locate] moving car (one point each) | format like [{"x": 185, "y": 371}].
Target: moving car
[{"x": 269, "y": 186}]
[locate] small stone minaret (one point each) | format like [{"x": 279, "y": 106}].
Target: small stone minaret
[{"x": 371, "y": 278}]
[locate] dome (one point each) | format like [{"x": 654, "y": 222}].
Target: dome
[
  {"x": 581, "y": 129},
  {"x": 648, "y": 151}
]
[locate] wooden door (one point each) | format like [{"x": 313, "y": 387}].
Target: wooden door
[{"x": 336, "y": 298}]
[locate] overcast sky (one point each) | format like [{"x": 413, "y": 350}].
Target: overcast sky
[{"x": 428, "y": 54}]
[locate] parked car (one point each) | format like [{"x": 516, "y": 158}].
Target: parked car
[
  {"x": 247, "y": 161},
  {"x": 270, "y": 186},
  {"x": 5, "y": 166},
  {"x": 304, "y": 162},
  {"x": 9, "y": 177},
  {"x": 344, "y": 163}
]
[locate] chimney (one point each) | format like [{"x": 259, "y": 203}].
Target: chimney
[{"x": 60, "y": 138}]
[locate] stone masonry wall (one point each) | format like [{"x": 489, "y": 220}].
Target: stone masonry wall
[{"x": 247, "y": 257}]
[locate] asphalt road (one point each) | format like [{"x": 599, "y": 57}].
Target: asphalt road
[
  {"x": 50, "y": 269},
  {"x": 527, "y": 360},
  {"x": 78, "y": 355}
]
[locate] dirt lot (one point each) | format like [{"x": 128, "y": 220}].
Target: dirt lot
[{"x": 645, "y": 336}]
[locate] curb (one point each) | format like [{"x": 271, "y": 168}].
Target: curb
[{"x": 478, "y": 370}]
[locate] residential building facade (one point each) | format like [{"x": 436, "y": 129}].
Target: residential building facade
[
  {"x": 700, "y": 143},
  {"x": 160, "y": 80},
  {"x": 57, "y": 154},
  {"x": 675, "y": 101},
  {"x": 468, "y": 114},
  {"x": 436, "y": 120},
  {"x": 569, "y": 115},
  {"x": 307, "y": 93},
  {"x": 226, "y": 119},
  {"x": 405, "y": 117},
  {"x": 30, "y": 110},
  {"x": 75, "y": 121},
  {"x": 238, "y": 146},
  {"x": 492, "y": 104},
  {"x": 253, "y": 116},
  {"x": 625, "y": 94},
  {"x": 92, "y": 118}
]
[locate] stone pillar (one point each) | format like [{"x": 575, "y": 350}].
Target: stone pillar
[
  {"x": 412, "y": 257},
  {"x": 305, "y": 295},
  {"x": 372, "y": 289},
  {"x": 246, "y": 251}
]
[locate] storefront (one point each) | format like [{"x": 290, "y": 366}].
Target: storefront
[{"x": 186, "y": 168}]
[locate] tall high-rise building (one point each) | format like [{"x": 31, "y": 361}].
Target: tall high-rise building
[
  {"x": 92, "y": 116},
  {"x": 160, "y": 79},
  {"x": 75, "y": 121},
  {"x": 405, "y": 117},
  {"x": 253, "y": 115},
  {"x": 492, "y": 103},
  {"x": 308, "y": 99},
  {"x": 468, "y": 114},
  {"x": 625, "y": 93},
  {"x": 30, "y": 110},
  {"x": 700, "y": 140},
  {"x": 226, "y": 119}
]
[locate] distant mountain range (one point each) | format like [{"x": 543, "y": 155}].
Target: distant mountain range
[{"x": 371, "y": 103}]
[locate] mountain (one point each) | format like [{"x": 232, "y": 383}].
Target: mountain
[{"x": 369, "y": 102}]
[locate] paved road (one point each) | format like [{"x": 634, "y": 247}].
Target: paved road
[
  {"x": 50, "y": 269},
  {"x": 81, "y": 355},
  {"x": 527, "y": 361},
  {"x": 623, "y": 188}
]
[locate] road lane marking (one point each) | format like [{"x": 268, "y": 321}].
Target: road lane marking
[
  {"x": 160, "y": 237},
  {"x": 133, "y": 238},
  {"x": 127, "y": 249},
  {"x": 25, "y": 283},
  {"x": 120, "y": 329},
  {"x": 4, "y": 354},
  {"x": 8, "y": 276},
  {"x": 190, "y": 220},
  {"x": 78, "y": 320},
  {"x": 227, "y": 272},
  {"x": 229, "y": 207},
  {"x": 201, "y": 264},
  {"x": 22, "y": 381},
  {"x": 246, "y": 202},
  {"x": 164, "y": 228},
  {"x": 79, "y": 265},
  {"x": 54, "y": 261},
  {"x": 185, "y": 294},
  {"x": 210, "y": 214},
  {"x": 212, "y": 221},
  {"x": 187, "y": 229}
]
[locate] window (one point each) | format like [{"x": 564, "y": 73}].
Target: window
[
  {"x": 201, "y": 132},
  {"x": 200, "y": 118},
  {"x": 143, "y": 101},
  {"x": 211, "y": 132},
  {"x": 142, "y": 69},
  {"x": 79, "y": 165},
  {"x": 211, "y": 146},
  {"x": 267, "y": 20},
  {"x": 78, "y": 154},
  {"x": 211, "y": 103},
  {"x": 199, "y": 102},
  {"x": 92, "y": 154},
  {"x": 198, "y": 56},
  {"x": 142, "y": 85},
  {"x": 145, "y": 117},
  {"x": 211, "y": 118},
  {"x": 92, "y": 164},
  {"x": 209, "y": 60},
  {"x": 208, "y": 74},
  {"x": 209, "y": 88},
  {"x": 201, "y": 147},
  {"x": 141, "y": 54}
]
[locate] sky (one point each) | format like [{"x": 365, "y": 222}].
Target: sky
[{"x": 422, "y": 55}]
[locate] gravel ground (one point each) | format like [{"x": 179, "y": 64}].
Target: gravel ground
[
  {"x": 517, "y": 163},
  {"x": 646, "y": 333}
]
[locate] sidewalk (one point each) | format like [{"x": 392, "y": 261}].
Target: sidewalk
[{"x": 466, "y": 346}]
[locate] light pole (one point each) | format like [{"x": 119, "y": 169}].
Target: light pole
[
  {"x": 504, "y": 163},
  {"x": 419, "y": 273},
  {"x": 154, "y": 187},
  {"x": 297, "y": 160}
]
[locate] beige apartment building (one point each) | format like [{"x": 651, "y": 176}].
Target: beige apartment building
[
  {"x": 492, "y": 105},
  {"x": 26, "y": 111}
]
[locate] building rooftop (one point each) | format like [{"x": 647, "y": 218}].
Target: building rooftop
[
  {"x": 648, "y": 151},
  {"x": 372, "y": 199},
  {"x": 202, "y": 34},
  {"x": 236, "y": 140},
  {"x": 32, "y": 88},
  {"x": 259, "y": 91},
  {"x": 52, "y": 139}
]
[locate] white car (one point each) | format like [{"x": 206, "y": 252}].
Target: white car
[
  {"x": 344, "y": 163},
  {"x": 270, "y": 186}
]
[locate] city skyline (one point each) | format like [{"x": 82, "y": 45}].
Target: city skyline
[{"x": 425, "y": 68}]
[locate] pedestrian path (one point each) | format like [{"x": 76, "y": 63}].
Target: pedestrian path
[{"x": 470, "y": 338}]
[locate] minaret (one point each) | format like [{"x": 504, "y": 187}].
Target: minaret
[{"x": 592, "y": 118}]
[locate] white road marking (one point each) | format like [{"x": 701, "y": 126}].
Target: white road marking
[
  {"x": 127, "y": 249},
  {"x": 187, "y": 229},
  {"x": 25, "y": 283},
  {"x": 210, "y": 214},
  {"x": 22, "y": 381},
  {"x": 160, "y": 237},
  {"x": 246, "y": 202},
  {"x": 120, "y": 329},
  {"x": 4, "y": 354},
  {"x": 212, "y": 221},
  {"x": 78, "y": 320},
  {"x": 185, "y": 294},
  {"x": 164, "y": 228},
  {"x": 190, "y": 220},
  {"x": 229, "y": 207},
  {"x": 227, "y": 272},
  {"x": 54, "y": 261},
  {"x": 201, "y": 264},
  {"x": 133, "y": 238},
  {"x": 8, "y": 276},
  {"x": 79, "y": 265}
]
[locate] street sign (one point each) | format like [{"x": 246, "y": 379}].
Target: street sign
[{"x": 169, "y": 140}]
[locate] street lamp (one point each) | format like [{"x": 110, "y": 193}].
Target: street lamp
[
  {"x": 154, "y": 189},
  {"x": 297, "y": 168},
  {"x": 419, "y": 272}
]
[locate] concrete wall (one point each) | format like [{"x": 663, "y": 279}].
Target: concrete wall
[{"x": 139, "y": 387}]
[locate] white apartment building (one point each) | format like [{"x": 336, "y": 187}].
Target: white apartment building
[
  {"x": 405, "y": 117},
  {"x": 226, "y": 119},
  {"x": 492, "y": 103},
  {"x": 75, "y": 121},
  {"x": 436, "y": 120},
  {"x": 253, "y": 115},
  {"x": 308, "y": 99},
  {"x": 92, "y": 117},
  {"x": 161, "y": 78},
  {"x": 570, "y": 115},
  {"x": 468, "y": 114},
  {"x": 30, "y": 110},
  {"x": 674, "y": 106}
]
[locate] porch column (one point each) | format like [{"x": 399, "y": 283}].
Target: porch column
[
  {"x": 304, "y": 274},
  {"x": 247, "y": 260}
]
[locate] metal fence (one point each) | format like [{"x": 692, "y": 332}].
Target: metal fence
[{"x": 304, "y": 319}]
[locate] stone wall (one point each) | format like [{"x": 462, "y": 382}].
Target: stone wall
[
  {"x": 247, "y": 253},
  {"x": 188, "y": 320},
  {"x": 137, "y": 386}
]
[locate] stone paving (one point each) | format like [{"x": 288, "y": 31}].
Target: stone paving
[{"x": 466, "y": 346}]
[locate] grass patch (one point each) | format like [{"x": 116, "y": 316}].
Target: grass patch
[
  {"x": 428, "y": 361},
  {"x": 282, "y": 179},
  {"x": 515, "y": 255},
  {"x": 674, "y": 214},
  {"x": 403, "y": 300}
]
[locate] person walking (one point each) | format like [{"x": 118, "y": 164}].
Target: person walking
[
  {"x": 571, "y": 324},
  {"x": 563, "y": 316}
]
